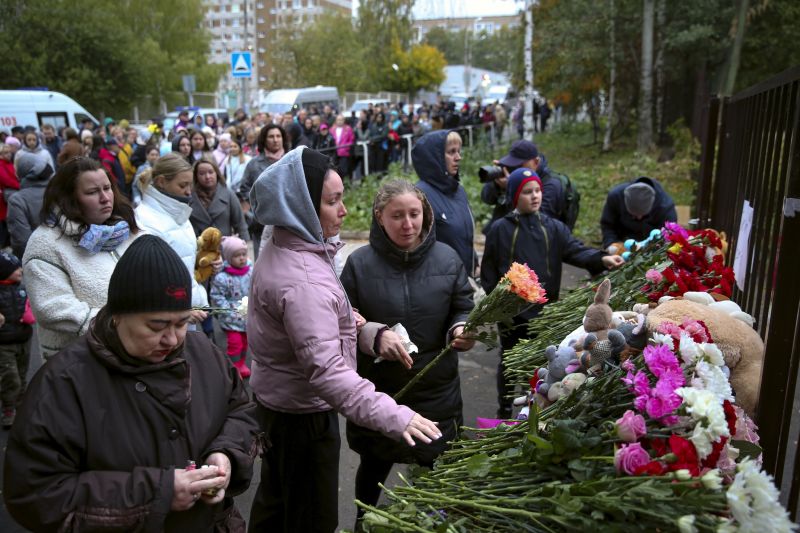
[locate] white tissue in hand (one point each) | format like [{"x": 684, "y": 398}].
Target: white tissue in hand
[{"x": 410, "y": 347}]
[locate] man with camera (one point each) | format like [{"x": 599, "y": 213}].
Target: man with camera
[{"x": 523, "y": 154}]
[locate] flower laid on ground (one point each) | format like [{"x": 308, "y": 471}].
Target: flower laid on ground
[
  {"x": 631, "y": 427},
  {"x": 754, "y": 503},
  {"x": 242, "y": 309},
  {"x": 518, "y": 289}
]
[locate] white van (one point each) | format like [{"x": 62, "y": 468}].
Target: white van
[
  {"x": 171, "y": 118},
  {"x": 282, "y": 101},
  {"x": 35, "y": 108},
  {"x": 358, "y": 105}
]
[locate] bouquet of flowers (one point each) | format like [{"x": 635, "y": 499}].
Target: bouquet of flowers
[
  {"x": 518, "y": 289},
  {"x": 696, "y": 264}
]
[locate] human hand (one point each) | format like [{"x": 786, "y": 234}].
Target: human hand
[
  {"x": 196, "y": 316},
  {"x": 217, "y": 265},
  {"x": 422, "y": 429},
  {"x": 360, "y": 320},
  {"x": 461, "y": 343},
  {"x": 189, "y": 484},
  {"x": 2, "y": 320},
  {"x": 223, "y": 465},
  {"x": 391, "y": 348},
  {"x": 613, "y": 261}
]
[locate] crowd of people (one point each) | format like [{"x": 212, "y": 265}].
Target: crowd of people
[{"x": 143, "y": 419}]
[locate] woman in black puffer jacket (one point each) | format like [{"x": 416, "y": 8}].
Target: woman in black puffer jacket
[{"x": 404, "y": 276}]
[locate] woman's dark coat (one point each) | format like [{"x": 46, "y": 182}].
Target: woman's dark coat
[{"x": 98, "y": 437}]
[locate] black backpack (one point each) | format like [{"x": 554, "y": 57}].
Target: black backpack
[{"x": 572, "y": 201}]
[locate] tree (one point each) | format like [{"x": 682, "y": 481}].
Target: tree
[
  {"x": 422, "y": 67},
  {"x": 645, "y": 138},
  {"x": 308, "y": 55},
  {"x": 105, "y": 53},
  {"x": 528, "y": 57},
  {"x": 612, "y": 79},
  {"x": 382, "y": 24}
]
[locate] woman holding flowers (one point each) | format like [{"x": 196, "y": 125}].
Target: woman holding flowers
[
  {"x": 404, "y": 276},
  {"x": 526, "y": 235}
]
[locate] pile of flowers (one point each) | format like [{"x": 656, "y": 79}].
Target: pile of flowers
[
  {"x": 696, "y": 264},
  {"x": 655, "y": 445},
  {"x": 518, "y": 289}
]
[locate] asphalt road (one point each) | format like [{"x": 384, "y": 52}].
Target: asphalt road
[{"x": 477, "y": 369}]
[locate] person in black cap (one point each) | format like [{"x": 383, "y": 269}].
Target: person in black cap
[
  {"x": 112, "y": 427},
  {"x": 525, "y": 154},
  {"x": 632, "y": 210}
]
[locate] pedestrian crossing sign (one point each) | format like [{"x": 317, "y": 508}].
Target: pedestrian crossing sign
[{"x": 241, "y": 64}]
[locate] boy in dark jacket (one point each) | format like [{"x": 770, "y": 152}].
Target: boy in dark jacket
[
  {"x": 526, "y": 235},
  {"x": 15, "y": 333}
]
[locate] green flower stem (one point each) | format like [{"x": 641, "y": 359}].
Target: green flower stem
[
  {"x": 401, "y": 524},
  {"x": 413, "y": 381}
]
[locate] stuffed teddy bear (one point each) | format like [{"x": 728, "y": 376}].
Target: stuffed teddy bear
[
  {"x": 741, "y": 346},
  {"x": 559, "y": 359},
  {"x": 208, "y": 251}
]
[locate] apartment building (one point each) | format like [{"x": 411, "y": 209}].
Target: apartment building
[
  {"x": 232, "y": 24},
  {"x": 273, "y": 14},
  {"x": 488, "y": 24}
]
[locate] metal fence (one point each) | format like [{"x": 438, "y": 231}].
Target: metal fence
[{"x": 751, "y": 160}]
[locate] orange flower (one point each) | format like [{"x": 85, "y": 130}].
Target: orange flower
[{"x": 525, "y": 283}]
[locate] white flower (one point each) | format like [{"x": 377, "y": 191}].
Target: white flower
[
  {"x": 753, "y": 500},
  {"x": 712, "y": 480},
  {"x": 710, "y": 377},
  {"x": 683, "y": 474},
  {"x": 706, "y": 410},
  {"x": 712, "y": 354},
  {"x": 242, "y": 309},
  {"x": 686, "y": 524},
  {"x": 689, "y": 349},
  {"x": 660, "y": 338},
  {"x": 726, "y": 526}
]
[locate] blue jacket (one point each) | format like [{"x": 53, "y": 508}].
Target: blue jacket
[
  {"x": 541, "y": 242},
  {"x": 618, "y": 225},
  {"x": 455, "y": 225}
]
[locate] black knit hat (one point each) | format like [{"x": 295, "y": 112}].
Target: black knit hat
[
  {"x": 315, "y": 166},
  {"x": 149, "y": 277},
  {"x": 8, "y": 265}
]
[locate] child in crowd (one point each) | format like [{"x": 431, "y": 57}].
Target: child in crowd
[
  {"x": 526, "y": 235},
  {"x": 227, "y": 290},
  {"x": 15, "y": 333}
]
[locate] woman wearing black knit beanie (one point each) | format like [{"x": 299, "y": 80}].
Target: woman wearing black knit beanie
[{"x": 115, "y": 427}]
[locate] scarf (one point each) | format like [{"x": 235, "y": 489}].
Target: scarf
[
  {"x": 102, "y": 238},
  {"x": 233, "y": 271},
  {"x": 273, "y": 156},
  {"x": 205, "y": 195}
]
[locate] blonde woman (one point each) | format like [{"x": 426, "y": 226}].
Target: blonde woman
[{"x": 165, "y": 211}]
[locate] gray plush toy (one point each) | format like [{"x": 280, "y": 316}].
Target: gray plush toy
[{"x": 559, "y": 359}]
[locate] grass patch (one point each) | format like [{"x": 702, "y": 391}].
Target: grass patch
[{"x": 569, "y": 150}]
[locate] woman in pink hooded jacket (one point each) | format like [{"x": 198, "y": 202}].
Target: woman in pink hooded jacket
[{"x": 302, "y": 334}]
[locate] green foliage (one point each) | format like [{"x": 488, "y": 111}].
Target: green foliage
[
  {"x": 421, "y": 67},
  {"x": 105, "y": 54},
  {"x": 311, "y": 55},
  {"x": 498, "y": 51},
  {"x": 383, "y": 25},
  {"x": 770, "y": 42}
]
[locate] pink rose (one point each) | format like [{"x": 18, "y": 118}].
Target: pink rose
[
  {"x": 631, "y": 427},
  {"x": 653, "y": 276},
  {"x": 629, "y": 457}
]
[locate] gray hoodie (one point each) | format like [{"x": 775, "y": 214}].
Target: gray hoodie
[{"x": 280, "y": 197}]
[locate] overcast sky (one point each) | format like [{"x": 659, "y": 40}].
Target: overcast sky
[{"x": 460, "y": 8}]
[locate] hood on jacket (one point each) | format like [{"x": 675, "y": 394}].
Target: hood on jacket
[
  {"x": 381, "y": 242},
  {"x": 428, "y": 159},
  {"x": 280, "y": 197},
  {"x": 32, "y": 166}
]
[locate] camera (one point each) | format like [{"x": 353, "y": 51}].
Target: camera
[{"x": 489, "y": 173}]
